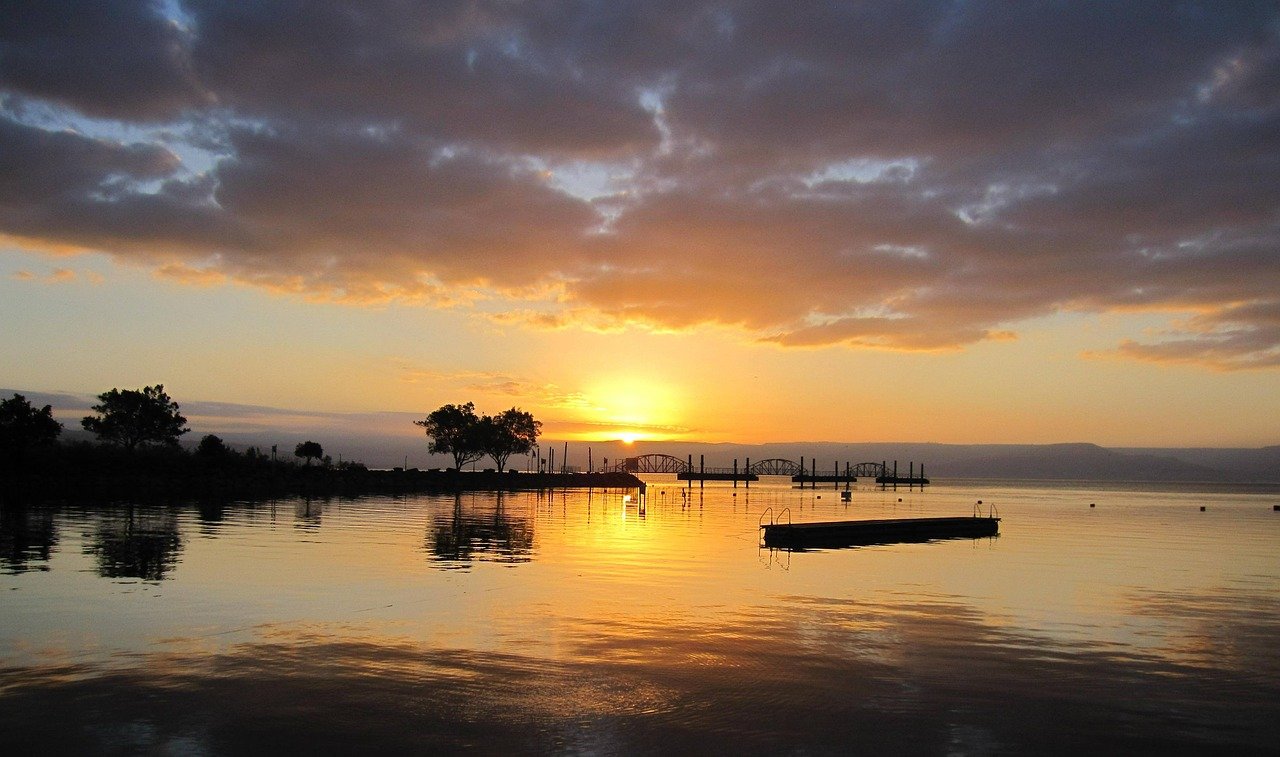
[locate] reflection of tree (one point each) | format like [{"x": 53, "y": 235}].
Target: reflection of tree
[
  {"x": 136, "y": 542},
  {"x": 26, "y": 536},
  {"x": 307, "y": 512},
  {"x": 465, "y": 535}
]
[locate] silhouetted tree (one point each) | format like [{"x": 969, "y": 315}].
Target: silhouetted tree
[
  {"x": 212, "y": 446},
  {"x": 309, "y": 450},
  {"x": 454, "y": 431},
  {"x": 133, "y": 417},
  {"x": 23, "y": 427},
  {"x": 511, "y": 432}
]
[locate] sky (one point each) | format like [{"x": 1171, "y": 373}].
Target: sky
[{"x": 959, "y": 222}]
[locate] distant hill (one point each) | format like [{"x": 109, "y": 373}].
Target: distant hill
[
  {"x": 385, "y": 440},
  {"x": 1014, "y": 461}
]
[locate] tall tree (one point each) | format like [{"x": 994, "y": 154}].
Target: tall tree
[
  {"x": 309, "y": 450},
  {"x": 511, "y": 432},
  {"x": 454, "y": 430},
  {"x": 134, "y": 417},
  {"x": 22, "y": 427},
  {"x": 212, "y": 446}
]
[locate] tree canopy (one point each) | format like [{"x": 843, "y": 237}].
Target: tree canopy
[
  {"x": 22, "y": 426},
  {"x": 136, "y": 417},
  {"x": 212, "y": 446},
  {"x": 511, "y": 432},
  {"x": 309, "y": 450},
  {"x": 454, "y": 431}
]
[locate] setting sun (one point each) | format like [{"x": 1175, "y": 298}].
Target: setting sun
[{"x": 634, "y": 408}]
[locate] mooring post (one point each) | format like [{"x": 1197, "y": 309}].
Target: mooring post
[
  {"x": 895, "y": 475},
  {"x": 802, "y": 471},
  {"x": 835, "y": 469},
  {"x": 748, "y": 472},
  {"x": 911, "y": 474},
  {"x": 735, "y": 473},
  {"x": 702, "y": 471}
]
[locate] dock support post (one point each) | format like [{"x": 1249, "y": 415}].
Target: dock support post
[
  {"x": 690, "y": 469},
  {"x": 702, "y": 471},
  {"x": 735, "y": 473},
  {"x": 748, "y": 471}
]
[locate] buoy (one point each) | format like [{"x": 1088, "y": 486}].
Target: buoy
[
  {"x": 899, "y": 499},
  {"x": 1201, "y": 508},
  {"x": 1092, "y": 505}
]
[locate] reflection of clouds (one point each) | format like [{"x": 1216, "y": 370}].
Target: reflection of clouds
[
  {"x": 1203, "y": 628},
  {"x": 811, "y": 676}
]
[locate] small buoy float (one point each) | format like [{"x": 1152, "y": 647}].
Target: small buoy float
[
  {"x": 1201, "y": 508},
  {"x": 1091, "y": 504}
]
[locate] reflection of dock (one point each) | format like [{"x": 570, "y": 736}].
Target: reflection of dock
[
  {"x": 716, "y": 475},
  {"x": 861, "y": 532},
  {"x": 517, "y": 481}
]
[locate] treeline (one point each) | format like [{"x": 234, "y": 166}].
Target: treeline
[{"x": 138, "y": 456}]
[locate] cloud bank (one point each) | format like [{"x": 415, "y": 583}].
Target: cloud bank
[{"x": 914, "y": 176}]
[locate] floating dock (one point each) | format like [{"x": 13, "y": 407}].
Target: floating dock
[
  {"x": 902, "y": 480},
  {"x": 860, "y": 532}
]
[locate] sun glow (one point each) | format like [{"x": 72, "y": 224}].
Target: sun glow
[{"x": 636, "y": 408}]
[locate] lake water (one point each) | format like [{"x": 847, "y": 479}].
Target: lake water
[{"x": 584, "y": 623}]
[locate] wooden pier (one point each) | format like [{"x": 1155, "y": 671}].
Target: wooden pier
[{"x": 862, "y": 532}]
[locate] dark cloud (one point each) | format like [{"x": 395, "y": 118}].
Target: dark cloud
[
  {"x": 895, "y": 175},
  {"x": 116, "y": 58}
]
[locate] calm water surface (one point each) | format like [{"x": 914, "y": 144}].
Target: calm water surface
[{"x": 582, "y": 622}]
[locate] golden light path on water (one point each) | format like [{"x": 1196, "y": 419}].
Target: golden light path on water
[{"x": 597, "y": 621}]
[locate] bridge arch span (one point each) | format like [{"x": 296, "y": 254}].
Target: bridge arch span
[
  {"x": 654, "y": 463},
  {"x": 775, "y": 466}
]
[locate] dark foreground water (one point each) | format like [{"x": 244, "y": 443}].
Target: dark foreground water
[{"x": 580, "y": 622}]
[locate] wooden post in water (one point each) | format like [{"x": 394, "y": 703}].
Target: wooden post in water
[
  {"x": 911, "y": 475},
  {"x": 690, "y": 469},
  {"x": 702, "y": 471},
  {"x": 748, "y": 472},
  {"x": 735, "y": 473},
  {"x": 802, "y": 471},
  {"x": 835, "y": 470}
]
